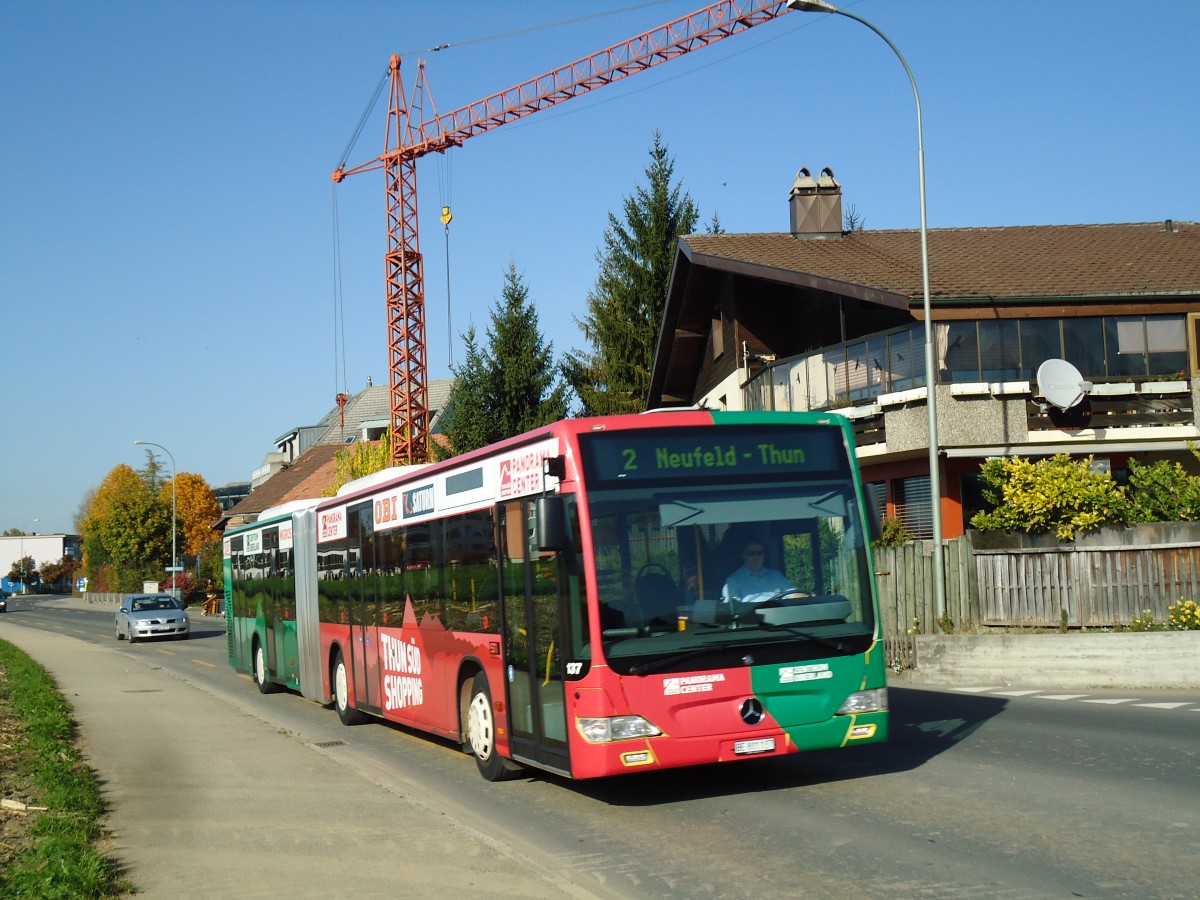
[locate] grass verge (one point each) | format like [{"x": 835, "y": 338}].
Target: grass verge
[{"x": 47, "y": 853}]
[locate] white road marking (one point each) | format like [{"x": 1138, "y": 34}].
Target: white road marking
[{"x": 1060, "y": 696}]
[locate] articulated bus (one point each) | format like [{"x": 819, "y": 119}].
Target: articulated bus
[{"x": 559, "y": 600}]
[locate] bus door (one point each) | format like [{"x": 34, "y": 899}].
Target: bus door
[
  {"x": 532, "y": 623},
  {"x": 270, "y": 602},
  {"x": 363, "y": 607}
]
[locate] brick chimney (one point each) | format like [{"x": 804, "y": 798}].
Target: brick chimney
[{"x": 816, "y": 206}]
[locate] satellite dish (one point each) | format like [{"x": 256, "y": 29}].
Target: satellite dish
[{"x": 1061, "y": 383}]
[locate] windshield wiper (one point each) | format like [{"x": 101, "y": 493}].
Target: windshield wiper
[
  {"x": 666, "y": 661},
  {"x": 809, "y": 636}
]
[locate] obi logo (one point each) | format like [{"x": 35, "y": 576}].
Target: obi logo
[
  {"x": 386, "y": 511},
  {"x": 418, "y": 501}
]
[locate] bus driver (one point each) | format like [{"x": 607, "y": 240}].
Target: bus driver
[{"x": 754, "y": 582}]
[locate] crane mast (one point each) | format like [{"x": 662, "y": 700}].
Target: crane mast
[{"x": 406, "y": 142}]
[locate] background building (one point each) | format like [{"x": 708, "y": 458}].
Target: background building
[
  {"x": 41, "y": 548},
  {"x": 821, "y": 319}
]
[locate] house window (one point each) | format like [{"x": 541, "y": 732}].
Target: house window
[
  {"x": 999, "y": 350},
  {"x": 1193, "y": 334},
  {"x": 1146, "y": 345},
  {"x": 1040, "y": 341},
  {"x": 914, "y": 506},
  {"x": 961, "y": 355},
  {"x": 1083, "y": 345},
  {"x": 876, "y": 496},
  {"x": 906, "y": 359},
  {"x": 718, "y": 335}
]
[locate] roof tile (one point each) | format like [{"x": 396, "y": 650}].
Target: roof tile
[{"x": 1031, "y": 261}]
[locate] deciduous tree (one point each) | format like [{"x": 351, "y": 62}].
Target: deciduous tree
[
  {"x": 59, "y": 573},
  {"x": 1163, "y": 492},
  {"x": 359, "y": 459},
  {"x": 24, "y": 570},
  {"x": 197, "y": 509},
  {"x": 1059, "y": 494},
  {"x": 127, "y": 532}
]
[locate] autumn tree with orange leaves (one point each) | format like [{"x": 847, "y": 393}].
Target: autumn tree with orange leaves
[
  {"x": 198, "y": 510},
  {"x": 127, "y": 529}
]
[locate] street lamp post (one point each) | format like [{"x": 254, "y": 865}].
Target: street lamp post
[
  {"x": 174, "y": 569},
  {"x": 935, "y": 480},
  {"x": 21, "y": 557}
]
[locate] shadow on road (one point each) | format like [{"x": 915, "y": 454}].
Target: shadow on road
[{"x": 923, "y": 725}]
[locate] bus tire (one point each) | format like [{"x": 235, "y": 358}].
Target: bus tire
[
  {"x": 481, "y": 731},
  {"x": 466, "y": 690},
  {"x": 341, "y": 693},
  {"x": 258, "y": 670}
]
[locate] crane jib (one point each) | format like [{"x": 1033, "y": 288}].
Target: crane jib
[{"x": 407, "y": 142}]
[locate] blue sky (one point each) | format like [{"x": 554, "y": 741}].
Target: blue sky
[{"x": 166, "y": 212}]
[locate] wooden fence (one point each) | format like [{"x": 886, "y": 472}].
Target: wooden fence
[{"x": 1104, "y": 580}]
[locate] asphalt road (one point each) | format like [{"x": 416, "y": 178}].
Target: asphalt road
[{"x": 986, "y": 793}]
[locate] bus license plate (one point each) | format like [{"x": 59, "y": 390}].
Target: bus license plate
[{"x": 765, "y": 745}]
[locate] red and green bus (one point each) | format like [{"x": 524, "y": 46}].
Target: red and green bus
[{"x": 559, "y": 600}]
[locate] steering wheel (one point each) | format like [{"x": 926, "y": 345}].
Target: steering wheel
[
  {"x": 789, "y": 593},
  {"x": 652, "y": 567}
]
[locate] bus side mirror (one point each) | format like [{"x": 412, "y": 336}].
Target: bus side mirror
[{"x": 551, "y": 523}]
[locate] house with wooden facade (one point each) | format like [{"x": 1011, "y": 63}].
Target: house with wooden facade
[{"x": 816, "y": 318}]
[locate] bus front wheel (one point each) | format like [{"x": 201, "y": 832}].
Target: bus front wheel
[
  {"x": 341, "y": 693},
  {"x": 481, "y": 731}
]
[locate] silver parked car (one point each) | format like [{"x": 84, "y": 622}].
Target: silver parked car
[{"x": 151, "y": 615}]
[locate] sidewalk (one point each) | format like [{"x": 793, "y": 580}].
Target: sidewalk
[{"x": 208, "y": 801}]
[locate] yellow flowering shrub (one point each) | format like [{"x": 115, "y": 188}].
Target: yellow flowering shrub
[{"x": 1184, "y": 616}]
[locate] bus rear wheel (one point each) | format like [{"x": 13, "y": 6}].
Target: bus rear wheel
[
  {"x": 259, "y": 670},
  {"x": 341, "y": 693},
  {"x": 481, "y": 732}
]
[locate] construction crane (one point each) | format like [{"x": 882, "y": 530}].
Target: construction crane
[{"x": 409, "y": 137}]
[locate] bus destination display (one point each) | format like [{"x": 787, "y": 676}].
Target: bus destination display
[{"x": 746, "y": 452}]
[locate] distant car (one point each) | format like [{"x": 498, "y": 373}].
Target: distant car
[
  {"x": 3, "y": 602},
  {"x": 152, "y": 615}
]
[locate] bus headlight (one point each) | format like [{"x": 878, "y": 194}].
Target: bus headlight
[
  {"x": 616, "y": 728},
  {"x": 865, "y": 702}
]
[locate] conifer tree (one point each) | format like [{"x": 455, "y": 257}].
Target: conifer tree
[
  {"x": 466, "y": 423},
  {"x": 508, "y": 387},
  {"x": 525, "y": 383},
  {"x": 625, "y": 306}
]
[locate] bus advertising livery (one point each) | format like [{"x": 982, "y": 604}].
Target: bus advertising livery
[{"x": 596, "y": 597}]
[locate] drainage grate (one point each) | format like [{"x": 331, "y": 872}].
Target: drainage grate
[
  {"x": 143, "y": 691},
  {"x": 330, "y": 744}
]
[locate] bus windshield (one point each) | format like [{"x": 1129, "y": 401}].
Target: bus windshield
[{"x": 704, "y": 552}]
